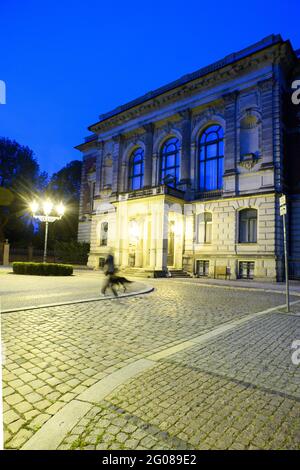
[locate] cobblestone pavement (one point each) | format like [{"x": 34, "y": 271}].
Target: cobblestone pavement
[
  {"x": 238, "y": 390},
  {"x": 18, "y": 291}
]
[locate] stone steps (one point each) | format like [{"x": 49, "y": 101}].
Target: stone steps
[
  {"x": 179, "y": 273},
  {"x": 140, "y": 272}
]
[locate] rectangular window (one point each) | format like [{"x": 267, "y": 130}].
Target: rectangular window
[
  {"x": 204, "y": 227},
  {"x": 248, "y": 226},
  {"x": 207, "y": 227},
  {"x": 103, "y": 235},
  {"x": 248, "y": 230},
  {"x": 252, "y": 230},
  {"x": 202, "y": 267},
  {"x": 246, "y": 269}
]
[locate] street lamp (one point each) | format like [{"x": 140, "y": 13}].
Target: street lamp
[{"x": 46, "y": 207}]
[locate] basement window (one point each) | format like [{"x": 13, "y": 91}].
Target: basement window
[
  {"x": 202, "y": 267},
  {"x": 246, "y": 269}
]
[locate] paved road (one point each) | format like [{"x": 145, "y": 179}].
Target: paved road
[
  {"x": 18, "y": 291},
  {"x": 187, "y": 366}
]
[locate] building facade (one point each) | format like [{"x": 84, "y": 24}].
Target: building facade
[{"x": 188, "y": 177}]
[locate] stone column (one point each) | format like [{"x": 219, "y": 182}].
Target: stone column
[
  {"x": 122, "y": 234},
  {"x": 139, "y": 245},
  {"x": 230, "y": 150},
  {"x": 116, "y": 156},
  {"x": 161, "y": 222},
  {"x": 155, "y": 170},
  {"x": 123, "y": 176},
  {"x": 99, "y": 163},
  {"x": 152, "y": 257},
  {"x": 194, "y": 167},
  {"x": 148, "y": 155},
  {"x": 185, "y": 148}
]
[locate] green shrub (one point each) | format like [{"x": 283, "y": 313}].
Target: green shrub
[
  {"x": 72, "y": 251},
  {"x": 43, "y": 269}
]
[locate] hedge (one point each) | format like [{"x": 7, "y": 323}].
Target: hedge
[
  {"x": 43, "y": 269},
  {"x": 71, "y": 252}
]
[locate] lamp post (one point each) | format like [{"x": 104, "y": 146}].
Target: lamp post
[{"x": 46, "y": 208}]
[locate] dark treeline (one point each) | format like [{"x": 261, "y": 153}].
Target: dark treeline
[{"x": 21, "y": 181}]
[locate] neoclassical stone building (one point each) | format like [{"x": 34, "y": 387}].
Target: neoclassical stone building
[{"x": 188, "y": 177}]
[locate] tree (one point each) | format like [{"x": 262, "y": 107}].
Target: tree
[
  {"x": 20, "y": 175},
  {"x": 64, "y": 186}
]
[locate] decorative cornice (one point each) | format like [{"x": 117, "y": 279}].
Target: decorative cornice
[{"x": 212, "y": 78}]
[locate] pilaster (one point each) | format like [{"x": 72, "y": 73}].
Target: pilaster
[
  {"x": 185, "y": 147},
  {"x": 99, "y": 163},
  {"x": 266, "y": 96},
  {"x": 116, "y": 156},
  {"x": 230, "y": 148},
  {"x": 148, "y": 155}
]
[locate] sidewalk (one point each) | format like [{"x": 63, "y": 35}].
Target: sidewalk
[
  {"x": 239, "y": 283},
  {"x": 245, "y": 284}
]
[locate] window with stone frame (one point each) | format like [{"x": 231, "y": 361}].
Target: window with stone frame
[
  {"x": 202, "y": 268},
  {"x": 204, "y": 231},
  {"x": 170, "y": 162},
  {"x": 211, "y": 158},
  {"x": 136, "y": 169},
  {"x": 103, "y": 234},
  {"x": 246, "y": 269},
  {"x": 248, "y": 226}
]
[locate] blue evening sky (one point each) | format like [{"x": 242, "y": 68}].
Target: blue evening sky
[{"x": 67, "y": 61}]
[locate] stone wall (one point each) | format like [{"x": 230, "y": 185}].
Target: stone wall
[{"x": 224, "y": 249}]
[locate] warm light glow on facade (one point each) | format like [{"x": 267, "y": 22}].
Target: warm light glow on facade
[{"x": 134, "y": 230}]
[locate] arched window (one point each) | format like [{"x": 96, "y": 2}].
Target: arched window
[
  {"x": 103, "y": 234},
  {"x": 211, "y": 156},
  {"x": 248, "y": 226},
  {"x": 170, "y": 162},
  {"x": 136, "y": 170}
]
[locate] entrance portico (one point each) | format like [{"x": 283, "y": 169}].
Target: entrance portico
[{"x": 149, "y": 232}]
